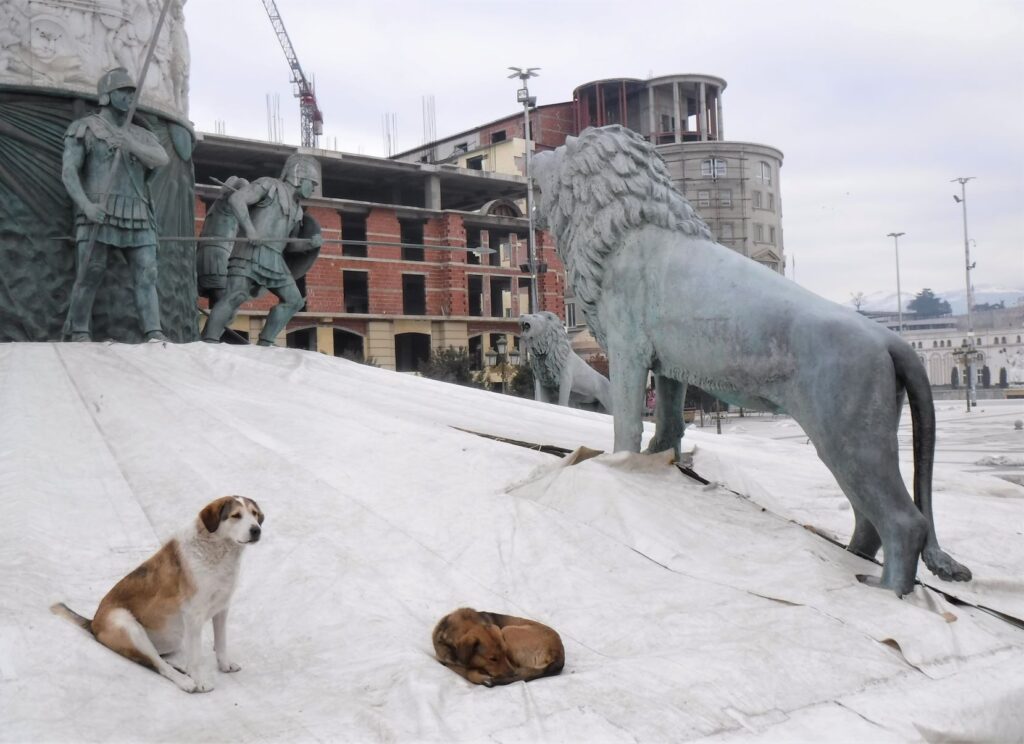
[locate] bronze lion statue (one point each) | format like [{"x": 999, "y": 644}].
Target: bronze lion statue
[
  {"x": 560, "y": 373},
  {"x": 659, "y": 294}
]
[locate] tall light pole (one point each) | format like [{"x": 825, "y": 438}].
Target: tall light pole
[
  {"x": 523, "y": 96},
  {"x": 969, "y": 357},
  {"x": 899, "y": 295}
]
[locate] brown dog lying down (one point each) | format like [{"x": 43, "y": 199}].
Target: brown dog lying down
[{"x": 491, "y": 649}]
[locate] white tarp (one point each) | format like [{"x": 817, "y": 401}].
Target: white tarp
[{"x": 687, "y": 611}]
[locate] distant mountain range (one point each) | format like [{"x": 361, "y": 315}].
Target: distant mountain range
[{"x": 957, "y": 298}]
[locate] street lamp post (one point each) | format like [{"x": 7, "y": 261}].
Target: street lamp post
[
  {"x": 524, "y": 97},
  {"x": 499, "y": 356},
  {"x": 969, "y": 357},
  {"x": 967, "y": 353},
  {"x": 899, "y": 295}
]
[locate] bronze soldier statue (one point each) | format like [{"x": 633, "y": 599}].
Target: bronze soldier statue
[
  {"x": 122, "y": 215},
  {"x": 270, "y": 214},
  {"x": 217, "y": 241}
]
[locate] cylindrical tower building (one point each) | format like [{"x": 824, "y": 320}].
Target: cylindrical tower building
[{"x": 734, "y": 186}]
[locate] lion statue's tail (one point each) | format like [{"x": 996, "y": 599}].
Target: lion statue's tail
[{"x": 912, "y": 376}]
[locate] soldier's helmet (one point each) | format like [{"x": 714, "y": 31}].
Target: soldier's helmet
[
  {"x": 297, "y": 167},
  {"x": 113, "y": 80}
]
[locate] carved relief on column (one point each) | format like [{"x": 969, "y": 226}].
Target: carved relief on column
[{"x": 68, "y": 44}]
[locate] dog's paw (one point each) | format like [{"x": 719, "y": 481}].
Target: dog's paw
[
  {"x": 185, "y": 683},
  {"x": 227, "y": 666},
  {"x": 203, "y": 685}
]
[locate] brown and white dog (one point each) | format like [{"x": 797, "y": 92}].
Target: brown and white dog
[
  {"x": 159, "y": 609},
  {"x": 491, "y": 649}
]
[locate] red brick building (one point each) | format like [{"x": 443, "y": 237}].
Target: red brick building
[{"x": 417, "y": 256}]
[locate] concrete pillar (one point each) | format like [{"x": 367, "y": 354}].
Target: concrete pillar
[
  {"x": 449, "y": 333},
  {"x": 433, "y": 192},
  {"x": 702, "y": 115},
  {"x": 719, "y": 126},
  {"x": 675, "y": 108},
  {"x": 325, "y": 340},
  {"x": 650, "y": 113},
  {"x": 380, "y": 343}
]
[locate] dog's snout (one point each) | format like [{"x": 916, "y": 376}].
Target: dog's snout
[{"x": 254, "y": 533}]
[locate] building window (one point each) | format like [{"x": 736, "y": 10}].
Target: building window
[
  {"x": 414, "y": 294},
  {"x": 498, "y": 136},
  {"x": 725, "y": 231},
  {"x": 570, "y": 314},
  {"x": 353, "y": 227},
  {"x": 412, "y": 240},
  {"x": 703, "y": 198},
  {"x": 771, "y": 235},
  {"x": 355, "y": 286},
  {"x": 725, "y": 197},
  {"x": 756, "y": 199},
  {"x": 714, "y": 167},
  {"x": 476, "y": 163},
  {"x": 475, "y": 295},
  {"x": 758, "y": 233},
  {"x": 771, "y": 202},
  {"x": 766, "y": 173}
]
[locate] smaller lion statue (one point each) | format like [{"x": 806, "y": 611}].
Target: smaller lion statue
[{"x": 561, "y": 375}]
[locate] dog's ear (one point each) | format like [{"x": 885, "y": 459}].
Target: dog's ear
[
  {"x": 255, "y": 507},
  {"x": 215, "y": 512},
  {"x": 465, "y": 648}
]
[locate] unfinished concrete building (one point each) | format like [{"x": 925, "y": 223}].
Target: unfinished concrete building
[{"x": 416, "y": 256}]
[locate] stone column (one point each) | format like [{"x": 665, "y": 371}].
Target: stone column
[
  {"x": 719, "y": 127},
  {"x": 702, "y": 115},
  {"x": 675, "y": 108},
  {"x": 650, "y": 112}
]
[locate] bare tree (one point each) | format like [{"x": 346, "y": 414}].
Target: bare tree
[{"x": 858, "y": 299}]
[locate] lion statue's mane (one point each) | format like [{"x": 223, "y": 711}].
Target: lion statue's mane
[
  {"x": 559, "y": 372},
  {"x": 610, "y": 186},
  {"x": 549, "y": 350}
]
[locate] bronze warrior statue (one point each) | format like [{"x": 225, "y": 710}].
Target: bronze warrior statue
[
  {"x": 112, "y": 202},
  {"x": 282, "y": 244}
]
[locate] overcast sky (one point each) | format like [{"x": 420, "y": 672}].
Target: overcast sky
[{"x": 875, "y": 105}]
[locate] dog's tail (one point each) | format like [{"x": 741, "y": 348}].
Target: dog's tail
[{"x": 62, "y": 610}]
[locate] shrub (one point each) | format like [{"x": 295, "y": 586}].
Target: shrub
[
  {"x": 449, "y": 365},
  {"x": 521, "y": 383}
]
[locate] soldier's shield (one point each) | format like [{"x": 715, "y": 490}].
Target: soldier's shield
[{"x": 301, "y": 260}]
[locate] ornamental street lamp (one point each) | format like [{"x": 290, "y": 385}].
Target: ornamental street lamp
[
  {"x": 524, "y": 97},
  {"x": 966, "y": 355},
  {"x": 498, "y": 356},
  {"x": 899, "y": 295}
]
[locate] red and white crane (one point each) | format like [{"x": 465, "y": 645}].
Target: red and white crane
[{"x": 312, "y": 119}]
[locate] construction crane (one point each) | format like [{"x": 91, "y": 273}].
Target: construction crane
[{"x": 312, "y": 118}]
